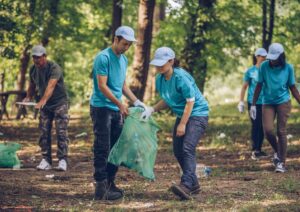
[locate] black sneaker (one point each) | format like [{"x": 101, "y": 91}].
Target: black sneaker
[
  {"x": 114, "y": 188},
  {"x": 182, "y": 191},
  {"x": 261, "y": 154},
  {"x": 102, "y": 192},
  {"x": 254, "y": 155}
]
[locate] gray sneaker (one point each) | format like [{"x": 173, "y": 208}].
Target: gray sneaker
[{"x": 280, "y": 168}]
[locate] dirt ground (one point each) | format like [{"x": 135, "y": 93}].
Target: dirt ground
[{"x": 236, "y": 183}]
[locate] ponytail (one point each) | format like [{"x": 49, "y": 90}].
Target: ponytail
[{"x": 176, "y": 63}]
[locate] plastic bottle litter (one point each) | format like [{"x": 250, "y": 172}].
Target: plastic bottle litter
[{"x": 202, "y": 170}]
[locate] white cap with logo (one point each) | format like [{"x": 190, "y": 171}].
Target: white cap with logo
[
  {"x": 162, "y": 55},
  {"x": 126, "y": 32},
  {"x": 260, "y": 52},
  {"x": 38, "y": 50},
  {"x": 275, "y": 49}
]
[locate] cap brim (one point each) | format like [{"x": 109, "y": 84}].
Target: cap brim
[
  {"x": 37, "y": 54},
  {"x": 157, "y": 62},
  {"x": 263, "y": 55},
  {"x": 128, "y": 38},
  {"x": 272, "y": 56}
]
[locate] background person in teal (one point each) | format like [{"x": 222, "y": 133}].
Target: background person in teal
[
  {"x": 107, "y": 110},
  {"x": 179, "y": 91},
  {"x": 276, "y": 77},
  {"x": 250, "y": 81}
]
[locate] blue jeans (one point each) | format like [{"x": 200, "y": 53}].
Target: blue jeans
[
  {"x": 257, "y": 131},
  {"x": 107, "y": 126},
  {"x": 184, "y": 148}
]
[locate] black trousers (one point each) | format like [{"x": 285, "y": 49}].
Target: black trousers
[
  {"x": 257, "y": 131},
  {"x": 107, "y": 127}
]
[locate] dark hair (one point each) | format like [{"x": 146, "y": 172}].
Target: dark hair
[
  {"x": 280, "y": 61},
  {"x": 176, "y": 63},
  {"x": 119, "y": 38},
  {"x": 254, "y": 60}
]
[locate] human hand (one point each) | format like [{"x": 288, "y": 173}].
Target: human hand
[
  {"x": 147, "y": 113},
  {"x": 180, "y": 131},
  {"x": 40, "y": 104},
  {"x": 253, "y": 112},
  {"x": 138, "y": 103},
  {"x": 241, "y": 107},
  {"x": 123, "y": 110}
]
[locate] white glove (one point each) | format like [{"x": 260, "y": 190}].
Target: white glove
[
  {"x": 147, "y": 113},
  {"x": 138, "y": 103},
  {"x": 253, "y": 112},
  {"x": 241, "y": 106}
]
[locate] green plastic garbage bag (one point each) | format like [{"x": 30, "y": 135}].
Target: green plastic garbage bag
[
  {"x": 137, "y": 146},
  {"x": 8, "y": 156}
]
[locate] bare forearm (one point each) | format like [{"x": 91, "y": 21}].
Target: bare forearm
[
  {"x": 187, "y": 112},
  {"x": 30, "y": 91},
  {"x": 108, "y": 94},
  {"x": 48, "y": 93},
  {"x": 295, "y": 93},
  {"x": 161, "y": 105},
  {"x": 243, "y": 91},
  {"x": 128, "y": 93},
  {"x": 256, "y": 93}
]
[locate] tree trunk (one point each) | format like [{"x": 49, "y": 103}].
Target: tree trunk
[
  {"x": 117, "y": 17},
  {"x": 159, "y": 15},
  {"x": 194, "y": 59},
  {"x": 142, "y": 48},
  {"x": 267, "y": 29}
]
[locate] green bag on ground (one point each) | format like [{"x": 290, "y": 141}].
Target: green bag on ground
[
  {"x": 8, "y": 156},
  {"x": 137, "y": 146}
]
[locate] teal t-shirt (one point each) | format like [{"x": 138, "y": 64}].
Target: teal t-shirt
[
  {"x": 107, "y": 63},
  {"x": 276, "y": 82},
  {"x": 251, "y": 76},
  {"x": 177, "y": 89}
]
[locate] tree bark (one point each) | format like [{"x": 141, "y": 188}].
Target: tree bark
[
  {"x": 159, "y": 15},
  {"x": 142, "y": 48},
  {"x": 194, "y": 59},
  {"x": 117, "y": 16},
  {"x": 267, "y": 25}
]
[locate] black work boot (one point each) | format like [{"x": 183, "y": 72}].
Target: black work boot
[
  {"x": 112, "y": 187},
  {"x": 102, "y": 192},
  {"x": 195, "y": 189},
  {"x": 182, "y": 191}
]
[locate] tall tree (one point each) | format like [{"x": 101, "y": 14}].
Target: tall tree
[
  {"x": 143, "y": 47},
  {"x": 267, "y": 26},
  {"x": 201, "y": 18},
  {"x": 117, "y": 16},
  {"x": 159, "y": 15}
]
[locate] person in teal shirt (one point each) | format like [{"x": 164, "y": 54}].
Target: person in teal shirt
[
  {"x": 179, "y": 91},
  {"x": 250, "y": 81},
  {"x": 107, "y": 110},
  {"x": 276, "y": 78}
]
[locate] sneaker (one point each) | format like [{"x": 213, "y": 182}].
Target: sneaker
[
  {"x": 254, "y": 155},
  {"x": 44, "y": 165},
  {"x": 112, "y": 187},
  {"x": 280, "y": 168},
  {"x": 275, "y": 159},
  {"x": 102, "y": 192},
  {"x": 182, "y": 191},
  {"x": 262, "y": 154},
  {"x": 62, "y": 165}
]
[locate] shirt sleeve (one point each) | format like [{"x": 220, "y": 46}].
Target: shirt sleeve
[
  {"x": 101, "y": 65},
  {"x": 185, "y": 87},
  {"x": 291, "y": 79},
  {"x": 56, "y": 72},
  {"x": 246, "y": 77}
]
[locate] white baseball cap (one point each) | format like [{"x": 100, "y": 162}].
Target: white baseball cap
[
  {"x": 38, "y": 50},
  {"x": 275, "y": 49},
  {"x": 162, "y": 55},
  {"x": 126, "y": 32},
  {"x": 260, "y": 52}
]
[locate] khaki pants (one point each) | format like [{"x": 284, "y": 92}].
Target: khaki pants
[{"x": 282, "y": 112}]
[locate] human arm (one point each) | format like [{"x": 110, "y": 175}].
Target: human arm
[
  {"x": 48, "y": 93},
  {"x": 30, "y": 92},
  {"x": 241, "y": 105},
  {"x": 161, "y": 105},
  {"x": 180, "y": 131},
  {"x": 102, "y": 85},
  {"x": 295, "y": 93},
  {"x": 130, "y": 95}
]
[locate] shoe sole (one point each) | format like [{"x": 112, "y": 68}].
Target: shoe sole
[{"x": 177, "y": 191}]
